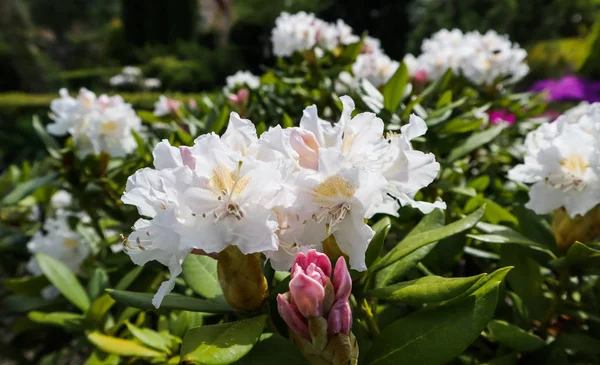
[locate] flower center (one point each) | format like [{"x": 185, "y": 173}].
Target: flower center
[
  {"x": 332, "y": 197},
  {"x": 109, "y": 126},
  {"x": 70, "y": 243},
  {"x": 227, "y": 184},
  {"x": 574, "y": 167}
]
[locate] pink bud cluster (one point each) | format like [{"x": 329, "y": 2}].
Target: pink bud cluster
[{"x": 314, "y": 292}]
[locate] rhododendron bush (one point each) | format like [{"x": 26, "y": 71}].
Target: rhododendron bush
[{"x": 341, "y": 208}]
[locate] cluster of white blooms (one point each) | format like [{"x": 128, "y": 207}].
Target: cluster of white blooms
[
  {"x": 304, "y": 31},
  {"x": 562, "y": 161},
  {"x": 58, "y": 240},
  {"x": 286, "y": 191},
  {"x": 132, "y": 76},
  {"x": 241, "y": 79},
  {"x": 165, "y": 106},
  {"x": 97, "y": 124},
  {"x": 482, "y": 58},
  {"x": 372, "y": 65}
]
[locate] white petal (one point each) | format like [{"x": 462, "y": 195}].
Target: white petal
[
  {"x": 543, "y": 198},
  {"x": 166, "y": 156},
  {"x": 240, "y": 133},
  {"x": 353, "y": 236}
]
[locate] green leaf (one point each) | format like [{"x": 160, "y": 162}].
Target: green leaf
[
  {"x": 100, "y": 358},
  {"x": 99, "y": 308},
  {"x": 579, "y": 257},
  {"x": 220, "y": 122},
  {"x": 171, "y": 301},
  {"x": 21, "y": 303},
  {"x": 494, "y": 213},
  {"x": 394, "y": 88},
  {"x": 515, "y": 337},
  {"x": 502, "y": 234},
  {"x": 427, "y": 289},
  {"x": 437, "y": 335},
  {"x": 200, "y": 273},
  {"x": 64, "y": 280},
  {"x": 431, "y": 221},
  {"x": 475, "y": 141},
  {"x": 148, "y": 117},
  {"x": 222, "y": 343},
  {"x": 508, "y": 359},
  {"x": 59, "y": 319},
  {"x": 118, "y": 346},
  {"x": 413, "y": 243},
  {"x": 381, "y": 228},
  {"x": 98, "y": 282},
  {"x": 460, "y": 126},
  {"x": 149, "y": 337},
  {"x": 445, "y": 99},
  {"x": 579, "y": 342},
  {"x": 29, "y": 285},
  {"x": 273, "y": 349},
  {"x": 51, "y": 146},
  {"x": 287, "y": 121},
  {"x": 24, "y": 189},
  {"x": 129, "y": 278}
]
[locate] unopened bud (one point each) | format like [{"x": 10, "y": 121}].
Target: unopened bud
[
  {"x": 242, "y": 280},
  {"x": 567, "y": 230}
]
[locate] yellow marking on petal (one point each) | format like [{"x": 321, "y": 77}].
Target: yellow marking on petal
[
  {"x": 335, "y": 186},
  {"x": 70, "y": 243},
  {"x": 576, "y": 164},
  {"x": 223, "y": 180},
  {"x": 109, "y": 126},
  {"x": 347, "y": 142}
]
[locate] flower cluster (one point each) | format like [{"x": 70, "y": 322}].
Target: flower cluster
[
  {"x": 304, "y": 31},
  {"x": 562, "y": 161},
  {"x": 238, "y": 85},
  {"x": 132, "y": 76},
  {"x": 484, "y": 59},
  {"x": 166, "y": 106},
  {"x": 57, "y": 239},
  {"x": 279, "y": 194},
  {"x": 97, "y": 124}
]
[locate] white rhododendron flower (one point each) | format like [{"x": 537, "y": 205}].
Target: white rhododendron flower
[
  {"x": 241, "y": 79},
  {"x": 562, "y": 161},
  {"x": 97, "y": 124},
  {"x": 304, "y": 31},
  {"x": 376, "y": 67},
  {"x": 165, "y": 106},
  {"x": 484, "y": 59},
  {"x": 280, "y": 194}
]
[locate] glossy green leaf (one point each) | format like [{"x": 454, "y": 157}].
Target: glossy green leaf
[
  {"x": 579, "y": 342},
  {"x": 200, "y": 273},
  {"x": 579, "y": 257},
  {"x": 29, "y": 285},
  {"x": 221, "y": 343},
  {"x": 59, "y": 319},
  {"x": 437, "y": 335},
  {"x": 221, "y": 121},
  {"x": 427, "y": 289},
  {"x": 502, "y": 234},
  {"x": 395, "y": 271},
  {"x": 475, "y": 141},
  {"x": 171, "y": 301},
  {"x": 49, "y": 142},
  {"x": 100, "y": 358},
  {"x": 64, "y": 280},
  {"x": 129, "y": 278},
  {"x": 413, "y": 243},
  {"x": 100, "y": 307},
  {"x": 381, "y": 228},
  {"x": 20, "y": 303},
  {"x": 460, "y": 126},
  {"x": 24, "y": 189},
  {"x": 97, "y": 283},
  {"x": 273, "y": 349},
  {"x": 149, "y": 337},
  {"x": 515, "y": 337},
  {"x": 394, "y": 88},
  {"x": 287, "y": 121},
  {"x": 119, "y": 346}
]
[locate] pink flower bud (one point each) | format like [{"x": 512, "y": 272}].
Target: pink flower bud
[
  {"x": 307, "y": 294},
  {"x": 313, "y": 257},
  {"x": 307, "y": 147},
  {"x": 501, "y": 117},
  {"x": 292, "y": 317},
  {"x": 421, "y": 76},
  {"x": 241, "y": 97},
  {"x": 192, "y": 104},
  {"x": 342, "y": 282},
  {"x": 173, "y": 105},
  {"x": 340, "y": 318}
]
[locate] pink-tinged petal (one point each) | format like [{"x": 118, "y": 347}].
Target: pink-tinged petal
[
  {"x": 292, "y": 317},
  {"x": 421, "y": 76},
  {"x": 340, "y": 318},
  {"x": 307, "y": 294},
  {"x": 243, "y": 95},
  {"x": 342, "y": 282},
  {"x": 321, "y": 260},
  {"x": 316, "y": 273},
  {"x": 187, "y": 158},
  {"x": 306, "y": 145}
]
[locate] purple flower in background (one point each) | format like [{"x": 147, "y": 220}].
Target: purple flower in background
[
  {"x": 501, "y": 116},
  {"x": 569, "y": 88}
]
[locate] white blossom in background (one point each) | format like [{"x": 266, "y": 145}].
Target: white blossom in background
[
  {"x": 61, "y": 199},
  {"x": 241, "y": 79},
  {"x": 165, "y": 106},
  {"x": 484, "y": 59},
  {"x": 562, "y": 162},
  {"x": 132, "y": 76},
  {"x": 377, "y": 68},
  {"x": 279, "y": 194},
  {"x": 97, "y": 124},
  {"x": 152, "y": 83},
  {"x": 304, "y": 31}
]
